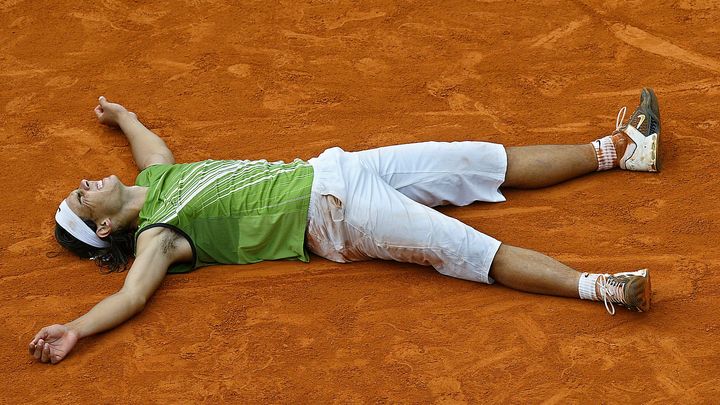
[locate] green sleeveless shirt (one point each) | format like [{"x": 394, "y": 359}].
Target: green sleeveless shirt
[{"x": 231, "y": 211}]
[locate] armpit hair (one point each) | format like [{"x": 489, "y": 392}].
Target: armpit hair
[{"x": 169, "y": 240}]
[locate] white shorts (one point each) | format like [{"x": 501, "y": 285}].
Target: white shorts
[{"x": 376, "y": 204}]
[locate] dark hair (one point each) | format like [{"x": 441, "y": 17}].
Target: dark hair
[{"x": 113, "y": 258}]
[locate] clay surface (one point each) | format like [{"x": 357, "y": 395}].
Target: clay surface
[{"x": 278, "y": 80}]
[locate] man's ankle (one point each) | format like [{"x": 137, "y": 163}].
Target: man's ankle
[
  {"x": 588, "y": 288},
  {"x": 605, "y": 153}
]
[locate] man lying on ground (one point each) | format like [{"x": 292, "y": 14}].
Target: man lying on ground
[{"x": 343, "y": 206}]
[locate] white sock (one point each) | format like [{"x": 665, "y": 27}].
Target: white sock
[
  {"x": 605, "y": 153},
  {"x": 586, "y": 286}
]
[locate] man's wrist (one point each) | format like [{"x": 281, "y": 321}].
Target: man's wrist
[
  {"x": 126, "y": 116},
  {"x": 75, "y": 329}
]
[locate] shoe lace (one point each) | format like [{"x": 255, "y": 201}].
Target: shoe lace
[
  {"x": 612, "y": 291},
  {"x": 620, "y": 118}
]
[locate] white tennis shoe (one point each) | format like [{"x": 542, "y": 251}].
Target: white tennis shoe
[
  {"x": 643, "y": 129},
  {"x": 630, "y": 290}
]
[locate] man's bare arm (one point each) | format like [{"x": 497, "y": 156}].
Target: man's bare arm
[
  {"x": 147, "y": 272},
  {"x": 54, "y": 342},
  {"x": 147, "y": 148}
]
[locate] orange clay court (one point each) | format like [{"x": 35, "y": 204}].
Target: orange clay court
[{"x": 257, "y": 80}]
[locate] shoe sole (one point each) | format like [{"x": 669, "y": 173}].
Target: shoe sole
[{"x": 649, "y": 102}]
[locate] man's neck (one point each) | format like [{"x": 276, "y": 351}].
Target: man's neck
[{"x": 134, "y": 197}]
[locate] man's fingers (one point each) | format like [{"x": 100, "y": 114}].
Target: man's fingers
[
  {"x": 102, "y": 100},
  {"x": 45, "y": 353},
  {"x": 34, "y": 341},
  {"x": 38, "y": 349},
  {"x": 98, "y": 111},
  {"x": 40, "y": 335}
]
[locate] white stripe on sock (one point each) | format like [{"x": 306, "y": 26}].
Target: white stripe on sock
[
  {"x": 605, "y": 153},
  {"x": 586, "y": 286}
]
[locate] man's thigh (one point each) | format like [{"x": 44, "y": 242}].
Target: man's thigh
[{"x": 441, "y": 173}]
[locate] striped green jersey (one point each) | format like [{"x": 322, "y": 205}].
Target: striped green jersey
[{"x": 231, "y": 211}]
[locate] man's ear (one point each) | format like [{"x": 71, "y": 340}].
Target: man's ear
[{"x": 105, "y": 228}]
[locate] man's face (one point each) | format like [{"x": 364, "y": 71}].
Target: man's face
[{"x": 96, "y": 199}]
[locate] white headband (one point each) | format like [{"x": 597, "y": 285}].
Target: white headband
[{"x": 72, "y": 223}]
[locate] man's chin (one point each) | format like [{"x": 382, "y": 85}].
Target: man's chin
[{"x": 115, "y": 181}]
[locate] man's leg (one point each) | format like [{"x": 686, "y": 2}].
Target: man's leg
[
  {"x": 459, "y": 173},
  {"x": 633, "y": 146},
  {"x": 546, "y": 165},
  {"x": 530, "y": 271}
]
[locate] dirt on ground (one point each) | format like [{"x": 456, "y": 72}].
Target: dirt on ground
[{"x": 279, "y": 80}]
